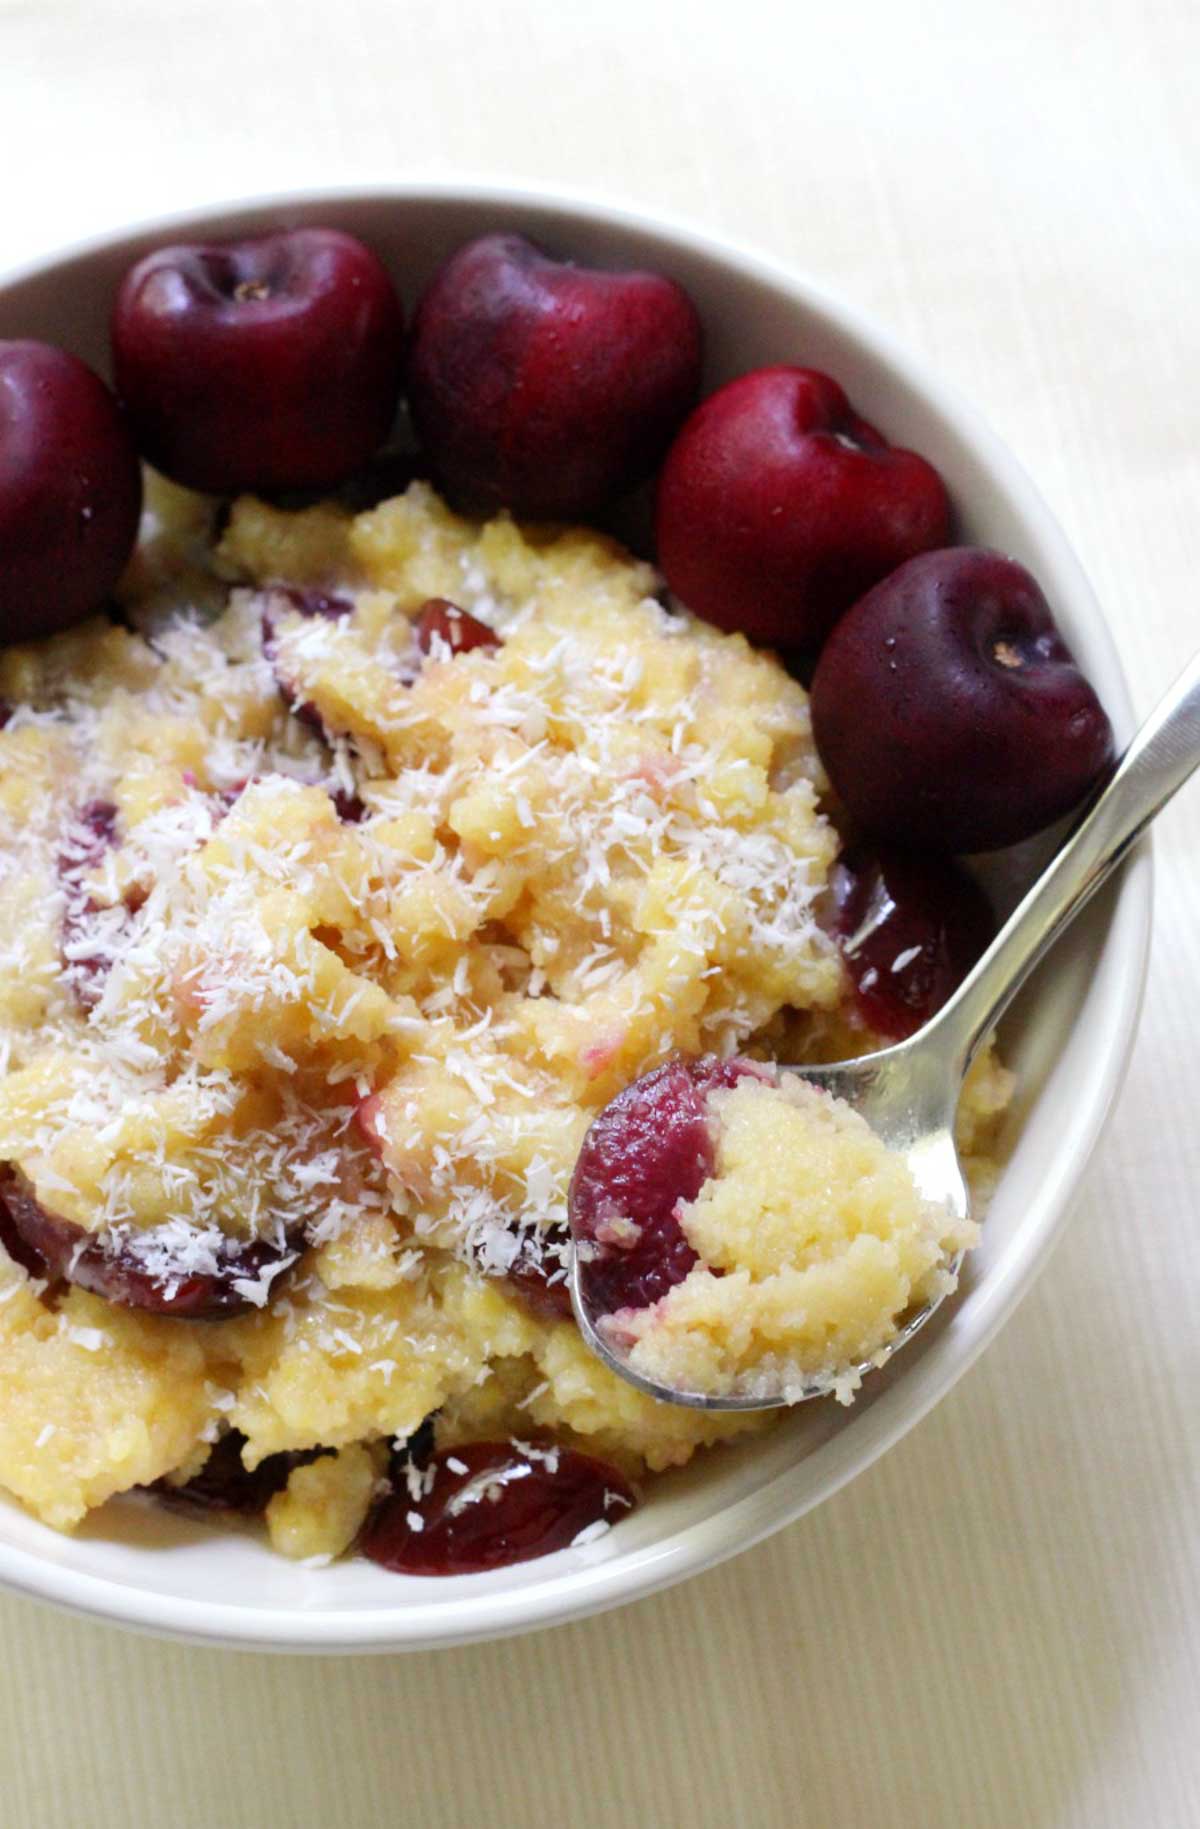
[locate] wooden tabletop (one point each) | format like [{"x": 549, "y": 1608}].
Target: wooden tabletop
[{"x": 999, "y": 1625}]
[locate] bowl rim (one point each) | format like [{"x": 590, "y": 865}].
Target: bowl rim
[{"x": 473, "y": 1617}]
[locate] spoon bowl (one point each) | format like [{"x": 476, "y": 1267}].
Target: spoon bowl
[
  {"x": 909, "y": 1093},
  {"x": 909, "y": 1101}
]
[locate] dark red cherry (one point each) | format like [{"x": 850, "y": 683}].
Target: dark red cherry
[
  {"x": 487, "y": 1505},
  {"x": 226, "y": 1485},
  {"x": 949, "y": 711},
  {"x": 350, "y": 809},
  {"x": 86, "y": 962},
  {"x": 17, "y": 1248},
  {"x": 306, "y": 600},
  {"x": 647, "y": 1151},
  {"x": 70, "y": 491},
  {"x": 107, "y": 1266},
  {"x": 909, "y": 927},
  {"x": 545, "y": 386},
  {"x": 295, "y": 600},
  {"x": 778, "y": 506},
  {"x": 269, "y": 364},
  {"x": 538, "y": 1275},
  {"x": 442, "y": 621},
  {"x": 412, "y": 1451}
]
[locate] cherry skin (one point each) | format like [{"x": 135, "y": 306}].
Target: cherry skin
[
  {"x": 648, "y": 1150},
  {"x": 909, "y": 927},
  {"x": 530, "y": 1273},
  {"x": 89, "y": 836},
  {"x": 226, "y": 1485},
  {"x": 268, "y": 364},
  {"x": 18, "y": 1249},
  {"x": 778, "y": 506},
  {"x": 105, "y": 1266},
  {"x": 70, "y": 491},
  {"x": 949, "y": 711},
  {"x": 546, "y": 387},
  {"x": 326, "y": 606},
  {"x": 499, "y": 1503}
]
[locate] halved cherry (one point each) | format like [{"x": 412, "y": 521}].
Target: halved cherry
[
  {"x": 18, "y": 1249},
  {"x": 412, "y": 1451},
  {"x": 537, "y": 1276},
  {"x": 909, "y": 927},
  {"x": 439, "y": 620},
  {"x": 106, "y": 1265},
  {"x": 326, "y": 605},
  {"x": 226, "y": 1484},
  {"x": 89, "y": 836},
  {"x": 349, "y": 807},
  {"x": 487, "y": 1505},
  {"x": 649, "y": 1150}
]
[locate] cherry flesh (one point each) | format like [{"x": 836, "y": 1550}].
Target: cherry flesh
[
  {"x": 106, "y": 1267},
  {"x": 909, "y": 928},
  {"x": 547, "y": 387},
  {"x": 949, "y": 711},
  {"x": 70, "y": 491},
  {"x": 269, "y": 364},
  {"x": 440, "y": 621},
  {"x": 487, "y": 1505},
  {"x": 647, "y": 1151},
  {"x": 778, "y": 506}
]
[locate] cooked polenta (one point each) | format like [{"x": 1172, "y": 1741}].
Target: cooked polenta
[{"x": 322, "y": 945}]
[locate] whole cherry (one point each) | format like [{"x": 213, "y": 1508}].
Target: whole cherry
[
  {"x": 778, "y": 506},
  {"x": 70, "y": 490},
  {"x": 950, "y": 712},
  {"x": 547, "y": 387},
  {"x": 267, "y": 364}
]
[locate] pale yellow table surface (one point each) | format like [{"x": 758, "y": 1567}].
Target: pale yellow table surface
[{"x": 999, "y": 1624}]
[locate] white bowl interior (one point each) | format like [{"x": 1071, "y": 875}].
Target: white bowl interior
[{"x": 1068, "y": 1036}]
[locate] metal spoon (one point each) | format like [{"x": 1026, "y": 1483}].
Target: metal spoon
[{"x": 909, "y": 1093}]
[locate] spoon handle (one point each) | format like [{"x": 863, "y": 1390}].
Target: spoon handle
[{"x": 1159, "y": 760}]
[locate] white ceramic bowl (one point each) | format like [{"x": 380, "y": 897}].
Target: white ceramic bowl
[{"x": 1069, "y": 1037}]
